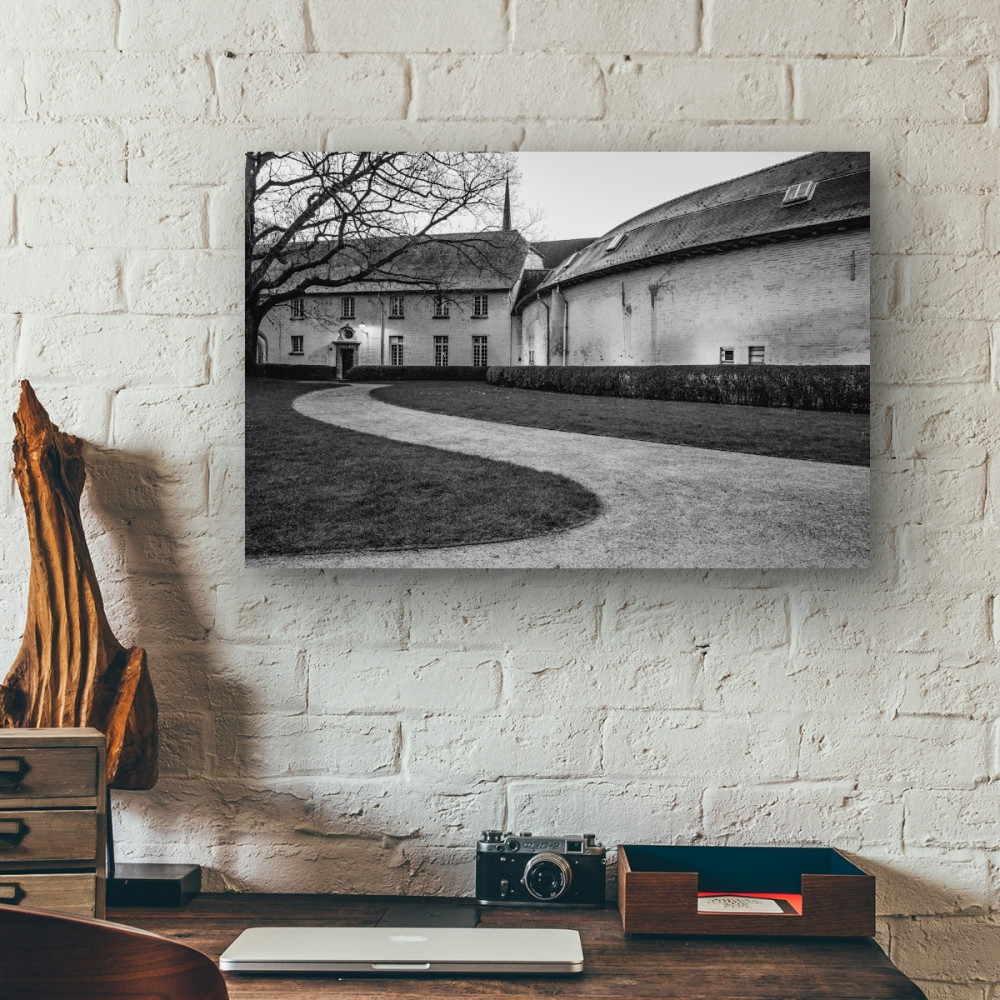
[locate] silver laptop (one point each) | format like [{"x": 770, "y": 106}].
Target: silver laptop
[{"x": 410, "y": 950}]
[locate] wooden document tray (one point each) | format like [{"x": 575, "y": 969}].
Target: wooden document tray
[{"x": 658, "y": 890}]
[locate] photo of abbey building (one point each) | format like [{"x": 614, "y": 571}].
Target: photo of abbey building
[{"x": 768, "y": 268}]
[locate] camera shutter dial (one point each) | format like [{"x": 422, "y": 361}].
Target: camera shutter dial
[{"x": 547, "y": 876}]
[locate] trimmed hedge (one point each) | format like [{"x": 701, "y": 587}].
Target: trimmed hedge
[
  {"x": 303, "y": 373},
  {"x": 843, "y": 388},
  {"x": 400, "y": 373}
]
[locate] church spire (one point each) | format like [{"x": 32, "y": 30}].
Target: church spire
[{"x": 506, "y": 207}]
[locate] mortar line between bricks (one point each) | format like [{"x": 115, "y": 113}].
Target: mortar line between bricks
[
  {"x": 701, "y": 34},
  {"x": 309, "y": 34}
]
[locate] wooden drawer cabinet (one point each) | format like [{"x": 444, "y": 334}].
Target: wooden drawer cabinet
[{"x": 52, "y": 820}]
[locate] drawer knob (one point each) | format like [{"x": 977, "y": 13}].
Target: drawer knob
[
  {"x": 12, "y": 832},
  {"x": 11, "y": 893},
  {"x": 12, "y": 772}
]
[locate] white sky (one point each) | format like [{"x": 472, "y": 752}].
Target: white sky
[{"x": 586, "y": 194}]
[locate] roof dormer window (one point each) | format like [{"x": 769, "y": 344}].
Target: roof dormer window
[
  {"x": 615, "y": 242},
  {"x": 797, "y": 194}
]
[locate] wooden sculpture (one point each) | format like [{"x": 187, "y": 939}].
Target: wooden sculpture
[{"x": 71, "y": 670}]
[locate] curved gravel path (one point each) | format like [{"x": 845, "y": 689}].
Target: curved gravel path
[{"x": 666, "y": 506}]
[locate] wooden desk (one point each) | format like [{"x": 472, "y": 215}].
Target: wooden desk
[{"x": 614, "y": 967}]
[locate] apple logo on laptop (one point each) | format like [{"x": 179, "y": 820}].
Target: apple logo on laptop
[{"x": 405, "y": 938}]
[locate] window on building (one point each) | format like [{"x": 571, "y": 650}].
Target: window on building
[
  {"x": 440, "y": 307},
  {"x": 531, "y": 356},
  {"x": 799, "y": 193},
  {"x": 479, "y": 352},
  {"x": 395, "y": 307},
  {"x": 298, "y": 308},
  {"x": 297, "y": 345},
  {"x": 755, "y": 355},
  {"x": 395, "y": 351},
  {"x": 441, "y": 352},
  {"x": 347, "y": 307},
  {"x": 615, "y": 242},
  {"x": 727, "y": 356},
  {"x": 481, "y": 305}
]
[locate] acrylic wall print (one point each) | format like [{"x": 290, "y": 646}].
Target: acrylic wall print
[{"x": 557, "y": 360}]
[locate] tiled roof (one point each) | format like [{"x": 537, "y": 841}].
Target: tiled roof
[
  {"x": 747, "y": 208},
  {"x": 531, "y": 279},
  {"x": 456, "y": 261},
  {"x": 554, "y": 252}
]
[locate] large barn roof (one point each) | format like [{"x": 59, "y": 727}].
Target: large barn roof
[
  {"x": 454, "y": 261},
  {"x": 748, "y": 209}
]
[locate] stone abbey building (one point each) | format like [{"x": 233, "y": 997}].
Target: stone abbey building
[{"x": 768, "y": 268}]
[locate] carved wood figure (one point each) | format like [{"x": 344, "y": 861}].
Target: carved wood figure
[{"x": 71, "y": 670}]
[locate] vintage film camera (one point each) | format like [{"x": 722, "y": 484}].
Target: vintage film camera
[{"x": 524, "y": 870}]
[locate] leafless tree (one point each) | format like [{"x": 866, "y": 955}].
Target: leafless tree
[{"x": 325, "y": 220}]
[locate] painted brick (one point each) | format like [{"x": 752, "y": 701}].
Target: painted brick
[
  {"x": 960, "y": 948},
  {"x": 420, "y": 26},
  {"x": 10, "y": 331},
  {"x": 962, "y": 553},
  {"x": 903, "y": 750},
  {"x": 226, "y": 478},
  {"x": 192, "y": 283},
  {"x": 111, "y": 217},
  {"x": 59, "y": 281},
  {"x": 935, "y": 224},
  {"x": 701, "y": 620},
  {"x": 960, "y": 818},
  {"x": 935, "y": 688},
  {"x": 12, "y": 99},
  {"x": 619, "y": 677},
  {"x": 676, "y": 745},
  {"x": 912, "y": 622},
  {"x": 488, "y": 617},
  {"x": 937, "y": 27},
  {"x": 364, "y": 88},
  {"x": 6, "y": 219},
  {"x": 930, "y": 881},
  {"x": 62, "y": 152},
  {"x": 928, "y": 491},
  {"x": 726, "y": 90},
  {"x": 283, "y": 747},
  {"x": 929, "y": 90},
  {"x": 126, "y": 86},
  {"x": 54, "y": 26},
  {"x": 114, "y": 351},
  {"x": 768, "y": 28},
  {"x": 952, "y": 287},
  {"x": 296, "y": 607},
  {"x": 621, "y": 812},
  {"x": 230, "y": 25},
  {"x": 201, "y": 153},
  {"x": 938, "y": 352},
  {"x": 934, "y": 427},
  {"x": 225, "y": 219},
  {"x": 391, "y": 681},
  {"x": 810, "y": 680},
  {"x": 826, "y": 813},
  {"x": 952, "y": 157},
  {"x": 397, "y": 808},
  {"x": 262, "y": 683},
  {"x": 168, "y": 421},
  {"x": 885, "y": 285},
  {"x": 593, "y": 26},
  {"x": 507, "y": 88},
  {"x": 492, "y": 136},
  {"x": 454, "y": 751}
]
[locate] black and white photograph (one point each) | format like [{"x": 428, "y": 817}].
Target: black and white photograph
[{"x": 557, "y": 360}]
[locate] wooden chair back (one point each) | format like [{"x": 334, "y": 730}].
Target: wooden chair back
[{"x": 47, "y": 956}]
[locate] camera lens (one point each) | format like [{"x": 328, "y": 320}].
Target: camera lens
[{"x": 547, "y": 876}]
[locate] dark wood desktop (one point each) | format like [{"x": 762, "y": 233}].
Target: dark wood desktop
[{"x": 614, "y": 966}]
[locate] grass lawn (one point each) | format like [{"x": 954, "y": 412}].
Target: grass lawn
[
  {"x": 313, "y": 488},
  {"x": 815, "y": 436}
]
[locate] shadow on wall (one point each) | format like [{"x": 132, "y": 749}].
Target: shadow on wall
[{"x": 155, "y": 598}]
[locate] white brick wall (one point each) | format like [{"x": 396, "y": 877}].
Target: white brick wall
[{"x": 354, "y": 731}]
